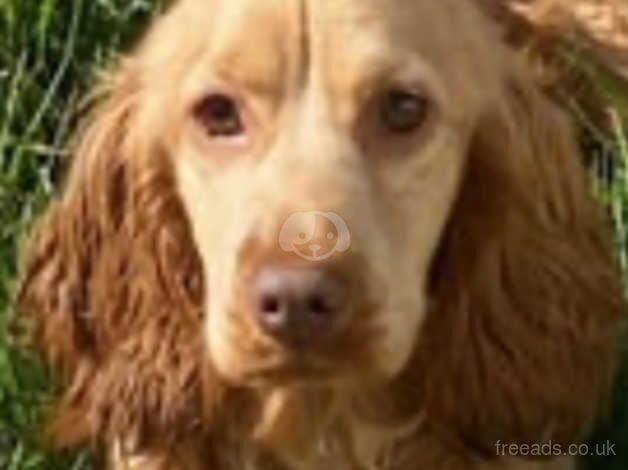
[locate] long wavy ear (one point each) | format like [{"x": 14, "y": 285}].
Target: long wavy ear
[
  {"x": 519, "y": 346},
  {"x": 112, "y": 284}
]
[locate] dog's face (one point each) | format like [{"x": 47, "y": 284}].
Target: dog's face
[
  {"x": 318, "y": 148},
  {"x": 362, "y": 193}
]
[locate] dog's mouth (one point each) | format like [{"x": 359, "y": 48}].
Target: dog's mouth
[
  {"x": 291, "y": 370},
  {"x": 265, "y": 360}
]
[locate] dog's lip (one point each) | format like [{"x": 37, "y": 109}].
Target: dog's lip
[{"x": 290, "y": 368}]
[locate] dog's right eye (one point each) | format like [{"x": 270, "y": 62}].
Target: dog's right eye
[
  {"x": 220, "y": 116},
  {"x": 403, "y": 112}
]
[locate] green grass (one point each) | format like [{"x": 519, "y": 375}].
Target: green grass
[
  {"x": 51, "y": 52},
  {"x": 614, "y": 148}
]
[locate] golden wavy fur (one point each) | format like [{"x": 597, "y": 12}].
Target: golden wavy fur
[
  {"x": 552, "y": 31},
  {"x": 486, "y": 304}
]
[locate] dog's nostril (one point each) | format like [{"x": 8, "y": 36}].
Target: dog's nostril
[
  {"x": 318, "y": 304},
  {"x": 269, "y": 304}
]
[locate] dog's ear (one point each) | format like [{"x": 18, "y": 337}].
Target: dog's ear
[
  {"x": 112, "y": 283},
  {"x": 59, "y": 260},
  {"x": 519, "y": 347}
]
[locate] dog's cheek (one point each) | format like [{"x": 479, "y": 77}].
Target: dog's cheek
[
  {"x": 401, "y": 321},
  {"x": 417, "y": 198},
  {"x": 209, "y": 217},
  {"x": 222, "y": 354}
]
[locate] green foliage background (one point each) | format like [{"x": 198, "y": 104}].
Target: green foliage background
[{"x": 51, "y": 52}]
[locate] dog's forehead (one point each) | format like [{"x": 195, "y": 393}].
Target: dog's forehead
[
  {"x": 263, "y": 35},
  {"x": 353, "y": 47}
]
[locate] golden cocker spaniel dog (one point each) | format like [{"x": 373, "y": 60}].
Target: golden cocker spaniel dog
[{"x": 341, "y": 234}]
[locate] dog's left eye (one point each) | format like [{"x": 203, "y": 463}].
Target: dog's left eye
[
  {"x": 220, "y": 116},
  {"x": 402, "y": 111}
]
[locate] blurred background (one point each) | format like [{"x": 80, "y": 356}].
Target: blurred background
[{"x": 53, "y": 51}]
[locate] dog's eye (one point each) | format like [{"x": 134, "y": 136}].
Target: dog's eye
[
  {"x": 220, "y": 116},
  {"x": 403, "y": 111}
]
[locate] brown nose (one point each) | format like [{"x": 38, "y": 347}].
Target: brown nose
[{"x": 298, "y": 306}]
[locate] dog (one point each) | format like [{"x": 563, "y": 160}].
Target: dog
[{"x": 346, "y": 234}]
